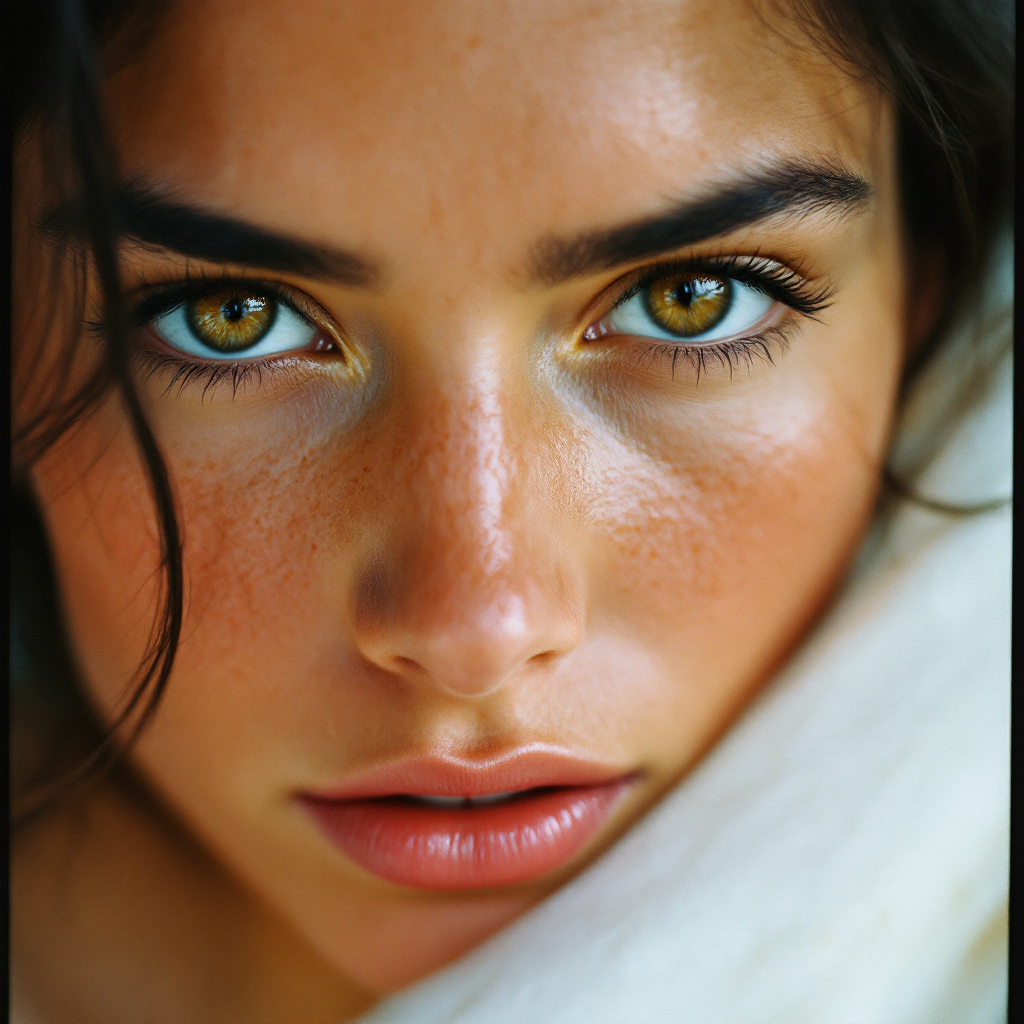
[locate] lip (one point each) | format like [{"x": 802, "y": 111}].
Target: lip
[{"x": 558, "y": 802}]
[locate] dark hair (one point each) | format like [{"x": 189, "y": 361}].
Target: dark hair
[
  {"x": 57, "y": 90},
  {"x": 948, "y": 66}
]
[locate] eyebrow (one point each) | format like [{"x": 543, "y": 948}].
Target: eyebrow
[
  {"x": 153, "y": 219},
  {"x": 790, "y": 187},
  {"x": 150, "y": 217}
]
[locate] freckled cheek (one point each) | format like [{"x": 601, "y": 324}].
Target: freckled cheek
[
  {"x": 260, "y": 554},
  {"x": 724, "y": 559},
  {"x": 257, "y": 547},
  {"x": 252, "y": 535}
]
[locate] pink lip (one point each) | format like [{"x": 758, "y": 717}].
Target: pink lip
[{"x": 561, "y": 801}]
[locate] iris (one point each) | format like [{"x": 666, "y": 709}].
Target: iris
[
  {"x": 230, "y": 322},
  {"x": 687, "y": 305}
]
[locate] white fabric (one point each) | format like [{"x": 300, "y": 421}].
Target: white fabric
[{"x": 841, "y": 857}]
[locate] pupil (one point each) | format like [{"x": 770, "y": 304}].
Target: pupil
[
  {"x": 233, "y": 310},
  {"x": 684, "y": 293}
]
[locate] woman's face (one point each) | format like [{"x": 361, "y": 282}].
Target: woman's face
[{"x": 520, "y": 422}]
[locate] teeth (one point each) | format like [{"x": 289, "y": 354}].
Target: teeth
[
  {"x": 490, "y": 798},
  {"x": 442, "y": 801},
  {"x": 462, "y": 801}
]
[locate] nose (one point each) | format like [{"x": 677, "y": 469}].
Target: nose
[{"x": 474, "y": 582}]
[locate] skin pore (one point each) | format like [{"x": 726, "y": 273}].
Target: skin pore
[{"x": 468, "y": 528}]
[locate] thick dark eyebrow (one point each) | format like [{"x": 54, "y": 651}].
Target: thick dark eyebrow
[
  {"x": 783, "y": 188},
  {"x": 153, "y": 219}
]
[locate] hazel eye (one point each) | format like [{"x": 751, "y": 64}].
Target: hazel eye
[
  {"x": 232, "y": 323},
  {"x": 689, "y": 304},
  {"x": 687, "y": 307}
]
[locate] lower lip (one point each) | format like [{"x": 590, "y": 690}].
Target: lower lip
[{"x": 415, "y": 844}]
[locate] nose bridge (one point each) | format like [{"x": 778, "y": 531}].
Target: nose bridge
[
  {"x": 469, "y": 588},
  {"x": 481, "y": 472}
]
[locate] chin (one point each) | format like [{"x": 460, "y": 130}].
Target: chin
[{"x": 413, "y": 937}]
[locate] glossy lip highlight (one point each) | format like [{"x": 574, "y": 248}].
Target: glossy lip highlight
[{"x": 558, "y": 802}]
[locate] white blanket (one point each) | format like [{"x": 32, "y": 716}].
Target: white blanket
[{"x": 841, "y": 857}]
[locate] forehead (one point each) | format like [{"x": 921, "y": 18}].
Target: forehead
[{"x": 471, "y": 121}]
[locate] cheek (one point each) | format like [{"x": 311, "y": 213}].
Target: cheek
[
  {"x": 726, "y": 545},
  {"x": 263, "y": 534},
  {"x": 702, "y": 549},
  {"x": 766, "y": 508},
  {"x": 250, "y": 543}
]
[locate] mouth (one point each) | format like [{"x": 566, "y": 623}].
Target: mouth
[{"x": 438, "y": 823}]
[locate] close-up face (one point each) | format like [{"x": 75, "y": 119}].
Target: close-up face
[{"x": 523, "y": 373}]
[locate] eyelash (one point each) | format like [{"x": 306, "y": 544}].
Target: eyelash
[
  {"x": 731, "y": 354},
  {"x": 186, "y": 373},
  {"x": 775, "y": 280}
]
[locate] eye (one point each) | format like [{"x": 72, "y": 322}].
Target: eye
[
  {"x": 232, "y": 323},
  {"x": 688, "y": 307}
]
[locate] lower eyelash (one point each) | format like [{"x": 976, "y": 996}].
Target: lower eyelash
[
  {"x": 186, "y": 374},
  {"x": 732, "y": 353}
]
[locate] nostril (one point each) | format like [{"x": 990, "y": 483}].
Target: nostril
[
  {"x": 543, "y": 658},
  {"x": 407, "y": 664}
]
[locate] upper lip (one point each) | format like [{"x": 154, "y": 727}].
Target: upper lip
[{"x": 528, "y": 767}]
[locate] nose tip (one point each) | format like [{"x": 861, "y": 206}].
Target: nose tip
[{"x": 474, "y": 652}]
